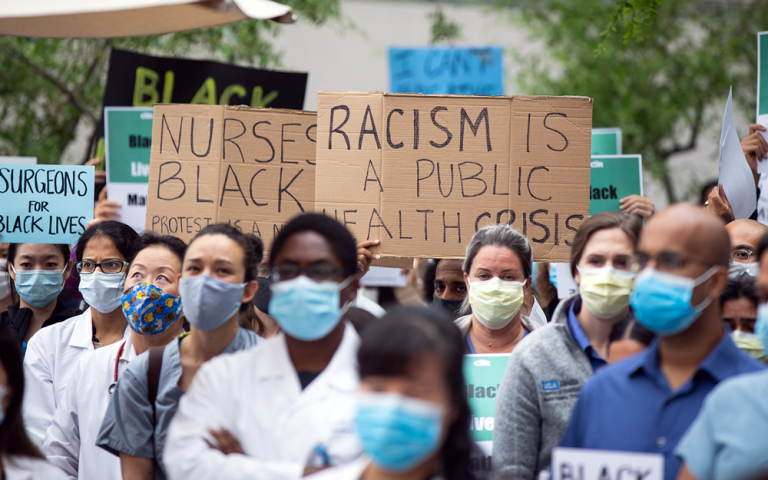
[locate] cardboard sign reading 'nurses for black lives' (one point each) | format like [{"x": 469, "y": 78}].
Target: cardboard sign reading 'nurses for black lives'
[
  {"x": 422, "y": 173},
  {"x": 252, "y": 168}
]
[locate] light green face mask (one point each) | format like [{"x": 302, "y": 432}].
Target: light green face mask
[{"x": 496, "y": 302}]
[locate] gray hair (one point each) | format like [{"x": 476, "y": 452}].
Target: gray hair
[{"x": 502, "y": 235}]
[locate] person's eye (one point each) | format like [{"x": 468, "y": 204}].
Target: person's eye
[
  {"x": 508, "y": 278},
  {"x": 192, "y": 269},
  {"x": 439, "y": 288},
  {"x": 461, "y": 289},
  {"x": 136, "y": 275},
  {"x": 163, "y": 278},
  {"x": 482, "y": 276},
  {"x": 223, "y": 272},
  {"x": 51, "y": 265}
]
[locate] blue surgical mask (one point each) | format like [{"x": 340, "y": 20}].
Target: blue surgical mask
[
  {"x": 553, "y": 275},
  {"x": 398, "y": 432},
  {"x": 3, "y": 393},
  {"x": 305, "y": 309},
  {"x": 761, "y": 325},
  {"x": 209, "y": 302},
  {"x": 662, "y": 301},
  {"x": 39, "y": 287}
]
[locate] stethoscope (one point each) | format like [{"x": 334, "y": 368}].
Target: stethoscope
[{"x": 111, "y": 388}]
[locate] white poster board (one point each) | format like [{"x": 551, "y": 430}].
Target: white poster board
[{"x": 584, "y": 464}]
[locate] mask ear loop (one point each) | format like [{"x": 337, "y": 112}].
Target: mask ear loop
[{"x": 703, "y": 278}]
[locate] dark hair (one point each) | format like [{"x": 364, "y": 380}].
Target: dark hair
[
  {"x": 393, "y": 345},
  {"x": 501, "y": 235},
  {"x": 428, "y": 275},
  {"x": 705, "y": 189},
  {"x": 630, "y": 329},
  {"x": 13, "y": 436},
  {"x": 14, "y": 247},
  {"x": 338, "y": 237},
  {"x": 123, "y": 236},
  {"x": 253, "y": 253},
  {"x": 627, "y": 222},
  {"x": 742, "y": 286},
  {"x": 151, "y": 239}
]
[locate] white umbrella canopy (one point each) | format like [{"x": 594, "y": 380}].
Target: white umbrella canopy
[{"x": 128, "y": 18}]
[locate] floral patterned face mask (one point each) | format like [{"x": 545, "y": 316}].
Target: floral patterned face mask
[{"x": 149, "y": 310}]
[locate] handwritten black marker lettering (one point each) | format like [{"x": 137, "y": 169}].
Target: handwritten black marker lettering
[
  {"x": 224, "y": 188},
  {"x": 569, "y": 227},
  {"x": 556, "y": 131},
  {"x": 283, "y": 141},
  {"x": 557, "y": 220},
  {"x": 271, "y": 147},
  {"x": 494, "y": 182},
  {"x": 369, "y": 179},
  {"x": 528, "y": 136},
  {"x": 440, "y": 181},
  {"x": 381, "y": 224},
  {"x": 401, "y": 227},
  {"x": 389, "y": 133},
  {"x": 419, "y": 178},
  {"x": 200, "y": 200},
  {"x": 425, "y": 212},
  {"x": 371, "y": 131},
  {"x": 282, "y": 190},
  {"x": 415, "y": 129},
  {"x": 529, "y": 184},
  {"x": 473, "y": 177},
  {"x": 480, "y": 217},
  {"x": 457, "y": 226},
  {"x": 338, "y": 129},
  {"x": 511, "y": 216},
  {"x": 540, "y": 225},
  {"x": 232, "y": 139},
  {"x": 192, "y": 139},
  {"x": 175, "y": 177},
  {"x": 165, "y": 124},
  {"x": 311, "y": 140},
  {"x": 475, "y": 127},
  {"x": 448, "y": 134},
  {"x": 347, "y": 222},
  {"x": 251, "y": 190}
]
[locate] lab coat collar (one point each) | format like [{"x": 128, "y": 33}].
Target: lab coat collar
[
  {"x": 82, "y": 334},
  {"x": 341, "y": 372}
]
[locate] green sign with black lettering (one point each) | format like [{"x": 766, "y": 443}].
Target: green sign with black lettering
[
  {"x": 606, "y": 141},
  {"x": 613, "y": 178}
]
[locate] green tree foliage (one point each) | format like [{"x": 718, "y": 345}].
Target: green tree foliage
[
  {"x": 47, "y": 86},
  {"x": 636, "y": 15},
  {"x": 442, "y": 29},
  {"x": 663, "y": 90}
]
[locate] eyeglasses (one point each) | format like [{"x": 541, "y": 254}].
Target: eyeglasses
[
  {"x": 665, "y": 261},
  {"x": 318, "y": 273},
  {"x": 109, "y": 267},
  {"x": 741, "y": 256}
]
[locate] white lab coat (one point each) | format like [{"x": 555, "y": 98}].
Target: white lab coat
[
  {"x": 70, "y": 442},
  {"x": 52, "y": 355},
  {"x": 256, "y": 395},
  {"x": 26, "y": 468}
]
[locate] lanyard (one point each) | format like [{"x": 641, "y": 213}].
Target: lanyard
[{"x": 117, "y": 362}]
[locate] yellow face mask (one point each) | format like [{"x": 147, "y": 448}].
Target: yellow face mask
[
  {"x": 496, "y": 302},
  {"x": 605, "y": 290}
]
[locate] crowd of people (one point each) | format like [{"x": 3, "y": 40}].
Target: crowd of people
[{"x": 142, "y": 357}]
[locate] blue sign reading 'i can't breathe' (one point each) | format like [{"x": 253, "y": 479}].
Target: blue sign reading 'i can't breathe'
[{"x": 446, "y": 70}]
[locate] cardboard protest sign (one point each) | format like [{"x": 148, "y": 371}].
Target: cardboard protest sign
[
  {"x": 606, "y": 141},
  {"x": 45, "y": 203},
  {"x": 447, "y": 70},
  {"x": 128, "y": 133},
  {"x": 482, "y": 376},
  {"x": 585, "y": 464},
  {"x": 613, "y": 178},
  {"x": 137, "y": 80},
  {"x": 424, "y": 173},
  {"x": 252, "y": 168}
]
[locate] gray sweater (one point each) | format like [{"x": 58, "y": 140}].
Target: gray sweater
[{"x": 540, "y": 387}]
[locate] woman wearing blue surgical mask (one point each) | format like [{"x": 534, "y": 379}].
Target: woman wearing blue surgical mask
[
  {"x": 412, "y": 415},
  {"x": 283, "y": 408},
  {"x": 216, "y": 284},
  {"x": 150, "y": 303},
  {"x": 19, "y": 457},
  {"x": 102, "y": 255},
  {"x": 546, "y": 372},
  {"x": 497, "y": 273},
  {"x": 37, "y": 273}
]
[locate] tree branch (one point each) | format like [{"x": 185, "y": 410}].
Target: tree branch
[{"x": 79, "y": 103}]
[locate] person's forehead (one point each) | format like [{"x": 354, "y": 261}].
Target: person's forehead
[
  {"x": 307, "y": 248},
  {"x": 739, "y": 308},
  {"x": 744, "y": 234},
  {"x": 666, "y": 236},
  {"x": 447, "y": 268},
  {"x": 496, "y": 256}
]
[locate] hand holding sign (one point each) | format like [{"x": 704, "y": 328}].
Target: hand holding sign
[
  {"x": 637, "y": 204},
  {"x": 719, "y": 205},
  {"x": 755, "y": 149}
]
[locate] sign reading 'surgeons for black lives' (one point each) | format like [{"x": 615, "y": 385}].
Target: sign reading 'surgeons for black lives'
[
  {"x": 251, "y": 168},
  {"x": 422, "y": 173}
]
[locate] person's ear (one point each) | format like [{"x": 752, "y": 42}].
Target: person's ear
[
  {"x": 577, "y": 277},
  {"x": 719, "y": 281},
  {"x": 250, "y": 291},
  {"x": 466, "y": 280}
]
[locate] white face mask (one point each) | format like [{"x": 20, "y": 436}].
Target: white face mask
[
  {"x": 496, "y": 302},
  {"x": 102, "y": 291},
  {"x": 5, "y": 279}
]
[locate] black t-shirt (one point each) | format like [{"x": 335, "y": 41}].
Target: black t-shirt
[{"x": 306, "y": 378}]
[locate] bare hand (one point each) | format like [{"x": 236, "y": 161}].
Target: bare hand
[
  {"x": 365, "y": 256},
  {"x": 636, "y": 204},
  {"x": 100, "y": 176},
  {"x": 755, "y": 148},
  {"x": 105, "y": 209},
  {"x": 226, "y": 443},
  {"x": 718, "y": 204}
]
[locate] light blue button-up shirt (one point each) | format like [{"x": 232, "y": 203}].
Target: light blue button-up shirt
[{"x": 729, "y": 438}]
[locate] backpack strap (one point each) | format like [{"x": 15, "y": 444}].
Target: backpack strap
[{"x": 153, "y": 376}]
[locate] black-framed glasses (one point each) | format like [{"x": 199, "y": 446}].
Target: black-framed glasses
[
  {"x": 318, "y": 273},
  {"x": 109, "y": 267},
  {"x": 741, "y": 256}
]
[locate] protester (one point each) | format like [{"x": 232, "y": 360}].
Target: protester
[
  {"x": 645, "y": 403},
  {"x": 755, "y": 148},
  {"x": 19, "y": 458},
  {"x": 38, "y": 272},
  {"x": 284, "y": 408},
  {"x": 450, "y": 290},
  {"x": 638, "y": 205},
  {"x": 497, "y": 271},
  {"x": 6, "y": 290},
  {"x": 70, "y": 443},
  {"x": 547, "y": 370},
  {"x": 103, "y": 252},
  {"x": 745, "y": 236},
  {"x": 545, "y": 288},
  {"x": 739, "y": 309},
  {"x": 218, "y": 283},
  {"x": 729, "y": 438},
  {"x": 706, "y": 189},
  {"x": 412, "y": 413},
  {"x": 628, "y": 338}
]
